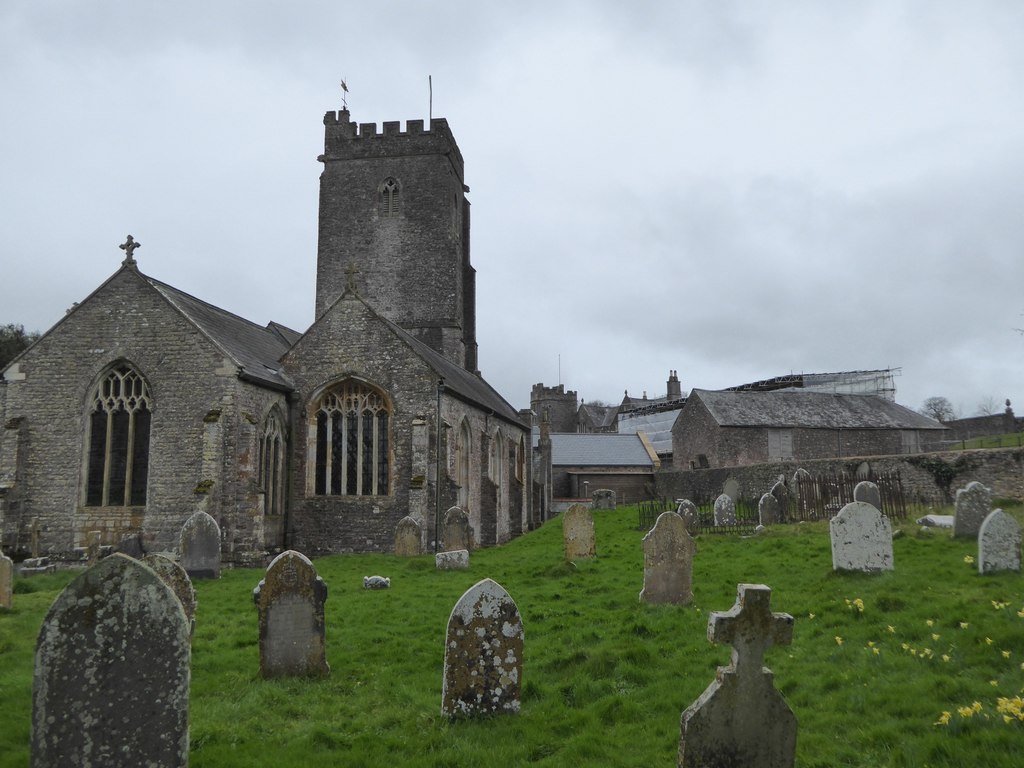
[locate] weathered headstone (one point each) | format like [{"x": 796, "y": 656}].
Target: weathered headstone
[
  {"x": 861, "y": 539},
  {"x": 768, "y": 510},
  {"x": 741, "y": 719},
  {"x": 731, "y": 488},
  {"x": 453, "y": 560},
  {"x": 483, "y": 658},
  {"x": 376, "y": 582},
  {"x": 603, "y": 498},
  {"x": 868, "y": 492},
  {"x": 688, "y": 511},
  {"x": 131, "y": 545},
  {"x": 999, "y": 543},
  {"x": 111, "y": 680},
  {"x": 92, "y": 542},
  {"x": 200, "y": 547},
  {"x": 782, "y": 495},
  {"x": 456, "y": 532},
  {"x": 863, "y": 472},
  {"x": 6, "y": 581},
  {"x": 725, "y": 510},
  {"x": 174, "y": 576},
  {"x": 578, "y": 533},
  {"x": 668, "y": 562},
  {"x": 290, "y": 600},
  {"x": 972, "y": 506},
  {"x": 408, "y": 538}
]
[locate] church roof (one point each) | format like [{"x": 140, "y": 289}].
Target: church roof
[
  {"x": 255, "y": 348},
  {"x": 811, "y": 410},
  {"x": 597, "y": 450}
]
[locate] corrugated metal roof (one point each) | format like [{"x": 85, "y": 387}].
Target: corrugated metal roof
[
  {"x": 813, "y": 410},
  {"x": 599, "y": 450}
]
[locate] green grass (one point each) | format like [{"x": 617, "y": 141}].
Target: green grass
[
  {"x": 605, "y": 677},
  {"x": 1010, "y": 440}
]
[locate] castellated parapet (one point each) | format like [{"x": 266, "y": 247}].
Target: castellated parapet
[{"x": 561, "y": 406}]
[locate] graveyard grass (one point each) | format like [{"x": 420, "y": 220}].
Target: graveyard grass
[{"x": 876, "y": 660}]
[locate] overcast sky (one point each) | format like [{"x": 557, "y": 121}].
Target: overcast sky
[{"x": 731, "y": 190}]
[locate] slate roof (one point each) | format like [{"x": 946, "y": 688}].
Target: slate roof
[
  {"x": 255, "y": 348},
  {"x": 600, "y": 415},
  {"x": 598, "y": 450},
  {"x": 812, "y": 410}
]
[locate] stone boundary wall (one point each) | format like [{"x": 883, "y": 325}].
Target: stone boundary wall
[{"x": 935, "y": 476}]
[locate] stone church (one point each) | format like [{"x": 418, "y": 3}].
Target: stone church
[{"x": 144, "y": 404}]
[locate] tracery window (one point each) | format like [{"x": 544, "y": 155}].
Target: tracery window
[
  {"x": 389, "y": 197},
  {"x": 352, "y": 441},
  {"x": 117, "y": 457},
  {"x": 272, "y": 453}
]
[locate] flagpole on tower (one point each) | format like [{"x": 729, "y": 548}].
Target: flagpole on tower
[{"x": 430, "y": 88}]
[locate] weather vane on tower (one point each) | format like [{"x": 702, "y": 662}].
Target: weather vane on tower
[{"x": 344, "y": 91}]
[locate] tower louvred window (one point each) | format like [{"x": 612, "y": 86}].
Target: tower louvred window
[
  {"x": 352, "y": 441},
  {"x": 118, "y": 452},
  {"x": 389, "y": 198}
]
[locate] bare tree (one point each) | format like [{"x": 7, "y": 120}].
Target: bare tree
[
  {"x": 939, "y": 408},
  {"x": 988, "y": 406}
]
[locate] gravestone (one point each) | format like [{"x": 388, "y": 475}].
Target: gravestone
[
  {"x": 999, "y": 543},
  {"x": 408, "y": 538},
  {"x": 688, "y": 511},
  {"x": 668, "y": 562},
  {"x": 972, "y": 506},
  {"x": 6, "y": 581},
  {"x": 92, "y": 543},
  {"x": 111, "y": 680},
  {"x": 456, "y": 532},
  {"x": 376, "y": 582},
  {"x": 741, "y": 719},
  {"x": 725, "y": 510},
  {"x": 782, "y": 495},
  {"x": 731, "y": 488},
  {"x": 603, "y": 498},
  {"x": 34, "y": 539},
  {"x": 863, "y": 472},
  {"x": 453, "y": 560},
  {"x": 483, "y": 657},
  {"x": 174, "y": 576},
  {"x": 578, "y": 533},
  {"x": 861, "y": 539},
  {"x": 131, "y": 545},
  {"x": 290, "y": 600},
  {"x": 768, "y": 510},
  {"x": 868, "y": 492},
  {"x": 200, "y": 547}
]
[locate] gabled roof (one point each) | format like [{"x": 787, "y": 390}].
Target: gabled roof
[
  {"x": 599, "y": 450},
  {"x": 599, "y": 415},
  {"x": 811, "y": 410},
  {"x": 256, "y": 349}
]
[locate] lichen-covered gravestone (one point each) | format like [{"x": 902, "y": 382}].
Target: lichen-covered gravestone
[
  {"x": 408, "y": 538},
  {"x": 768, "y": 510},
  {"x": 861, "y": 539},
  {"x": 174, "y": 576},
  {"x": 999, "y": 543},
  {"x": 668, "y": 562},
  {"x": 725, "y": 510},
  {"x": 290, "y": 600},
  {"x": 456, "y": 532},
  {"x": 200, "y": 547},
  {"x": 603, "y": 498},
  {"x": 578, "y": 533},
  {"x": 453, "y": 560},
  {"x": 6, "y": 581},
  {"x": 688, "y": 511},
  {"x": 972, "y": 506},
  {"x": 868, "y": 492},
  {"x": 741, "y": 720},
  {"x": 483, "y": 658},
  {"x": 111, "y": 678}
]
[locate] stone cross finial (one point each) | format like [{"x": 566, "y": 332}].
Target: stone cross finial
[
  {"x": 350, "y": 278},
  {"x": 129, "y": 246},
  {"x": 750, "y": 627}
]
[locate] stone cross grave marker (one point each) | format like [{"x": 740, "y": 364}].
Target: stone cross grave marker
[
  {"x": 999, "y": 543},
  {"x": 408, "y": 538},
  {"x": 290, "y": 601},
  {"x": 456, "y": 532},
  {"x": 200, "y": 547},
  {"x": 174, "y": 576},
  {"x": 111, "y": 678},
  {"x": 603, "y": 498},
  {"x": 483, "y": 658},
  {"x": 741, "y": 719},
  {"x": 725, "y": 510},
  {"x": 868, "y": 492},
  {"x": 6, "y": 581},
  {"x": 768, "y": 510},
  {"x": 668, "y": 562},
  {"x": 688, "y": 511},
  {"x": 971, "y": 507},
  {"x": 861, "y": 539},
  {"x": 578, "y": 533}
]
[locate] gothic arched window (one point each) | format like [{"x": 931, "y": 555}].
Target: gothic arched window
[
  {"x": 389, "y": 197},
  {"x": 463, "y": 452},
  {"x": 272, "y": 453},
  {"x": 351, "y": 446},
  {"x": 117, "y": 456}
]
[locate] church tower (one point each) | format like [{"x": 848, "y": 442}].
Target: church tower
[{"x": 394, "y": 220}]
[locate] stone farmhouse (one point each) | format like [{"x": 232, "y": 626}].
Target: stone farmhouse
[{"x": 145, "y": 404}]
